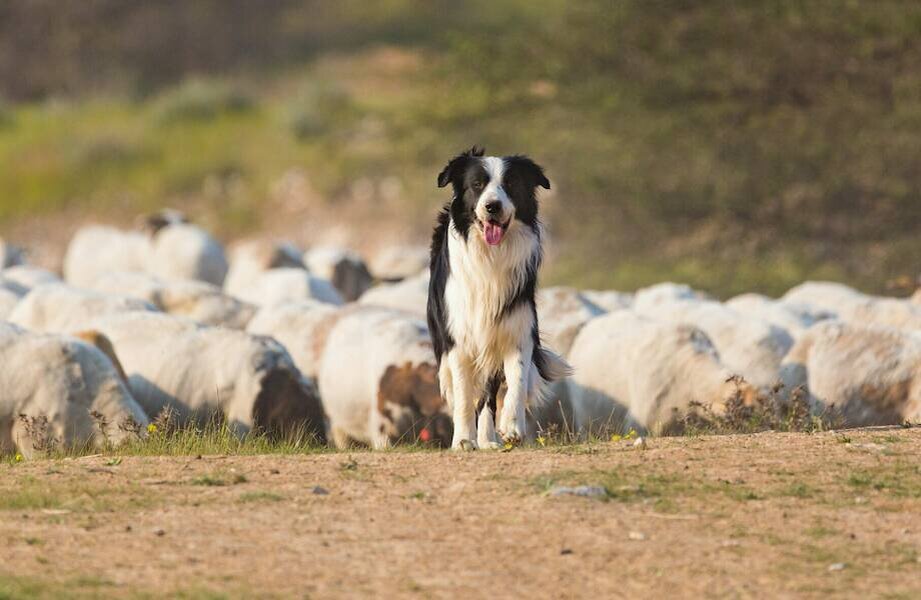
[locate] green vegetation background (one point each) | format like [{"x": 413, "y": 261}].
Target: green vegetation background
[{"x": 736, "y": 145}]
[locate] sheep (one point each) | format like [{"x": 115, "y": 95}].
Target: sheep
[
  {"x": 29, "y": 277},
  {"x": 609, "y": 300},
  {"x": 11, "y": 293},
  {"x": 411, "y": 295},
  {"x": 396, "y": 263},
  {"x": 301, "y": 327},
  {"x": 749, "y": 346},
  {"x": 97, "y": 249},
  {"x": 379, "y": 382},
  {"x": 250, "y": 258},
  {"x": 171, "y": 248},
  {"x": 793, "y": 317},
  {"x": 633, "y": 372},
  {"x": 286, "y": 284},
  {"x": 862, "y": 375},
  {"x": 200, "y": 372},
  {"x": 562, "y": 311},
  {"x": 58, "y": 389},
  {"x": 647, "y": 298},
  {"x": 60, "y": 308},
  {"x": 344, "y": 268},
  {"x": 11, "y": 255},
  {"x": 825, "y": 295},
  {"x": 186, "y": 251},
  {"x": 197, "y": 300},
  {"x": 856, "y": 307}
]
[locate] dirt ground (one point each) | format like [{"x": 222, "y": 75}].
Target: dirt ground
[{"x": 793, "y": 515}]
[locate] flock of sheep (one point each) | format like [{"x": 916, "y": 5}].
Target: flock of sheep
[{"x": 322, "y": 344}]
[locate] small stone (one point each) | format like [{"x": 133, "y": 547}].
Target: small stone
[
  {"x": 640, "y": 443},
  {"x": 159, "y": 532},
  {"x": 128, "y": 528},
  {"x": 637, "y": 536},
  {"x": 274, "y": 472},
  {"x": 860, "y": 500},
  {"x": 565, "y": 551},
  {"x": 586, "y": 491},
  {"x": 836, "y": 567},
  {"x": 319, "y": 491}
]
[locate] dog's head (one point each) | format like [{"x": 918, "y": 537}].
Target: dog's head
[{"x": 492, "y": 194}]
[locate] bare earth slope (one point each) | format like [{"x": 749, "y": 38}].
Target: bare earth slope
[{"x": 734, "y": 516}]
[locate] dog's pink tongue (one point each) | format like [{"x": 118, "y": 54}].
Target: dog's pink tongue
[{"x": 493, "y": 233}]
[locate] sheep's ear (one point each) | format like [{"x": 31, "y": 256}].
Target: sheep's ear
[
  {"x": 455, "y": 168},
  {"x": 532, "y": 172}
]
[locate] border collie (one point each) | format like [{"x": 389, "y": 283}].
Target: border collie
[{"x": 486, "y": 250}]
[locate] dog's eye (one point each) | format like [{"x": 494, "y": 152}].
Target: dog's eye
[{"x": 477, "y": 185}]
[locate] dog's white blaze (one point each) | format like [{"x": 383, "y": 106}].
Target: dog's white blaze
[{"x": 494, "y": 191}]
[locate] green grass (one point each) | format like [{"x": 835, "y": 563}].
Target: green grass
[{"x": 16, "y": 587}]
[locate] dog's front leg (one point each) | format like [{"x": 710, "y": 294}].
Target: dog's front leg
[
  {"x": 517, "y": 366},
  {"x": 464, "y": 402}
]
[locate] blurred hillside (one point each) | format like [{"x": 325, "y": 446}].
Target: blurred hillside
[{"x": 734, "y": 145}]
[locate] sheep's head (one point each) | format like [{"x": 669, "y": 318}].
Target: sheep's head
[
  {"x": 411, "y": 405},
  {"x": 288, "y": 405}
]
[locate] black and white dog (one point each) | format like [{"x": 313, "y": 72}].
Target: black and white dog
[{"x": 486, "y": 250}]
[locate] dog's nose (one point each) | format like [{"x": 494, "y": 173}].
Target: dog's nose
[{"x": 493, "y": 207}]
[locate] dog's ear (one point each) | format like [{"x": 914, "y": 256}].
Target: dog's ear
[
  {"x": 532, "y": 172},
  {"x": 456, "y": 166}
]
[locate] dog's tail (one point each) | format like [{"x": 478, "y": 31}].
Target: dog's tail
[{"x": 551, "y": 366}]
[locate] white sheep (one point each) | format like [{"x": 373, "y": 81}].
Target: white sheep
[
  {"x": 410, "y": 295},
  {"x": 633, "y": 372},
  {"x": 251, "y": 258},
  {"x": 855, "y": 307},
  {"x": 825, "y": 295},
  {"x": 793, "y": 317},
  {"x": 301, "y": 327},
  {"x": 289, "y": 284},
  {"x": 200, "y": 372},
  {"x": 379, "y": 382},
  {"x": 609, "y": 300},
  {"x": 749, "y": 346},
  {"x": 98, "y": 249},
  {"x": 29, "y": 277},
  {"x": 183, "y": 251},
  {"x": 11, "y": 293},
  {"x": 197, "y": 300},
  {"x": 561, "y": 312},
  {"x": 646, "y": 299},
  {"x": 170, "y": 248},
  {"x": 396, "y": 263},
  {"x": 861, "y": 375},
  {"x": 57, "y": 307},
  {"x": 344, "y": 268},
  {"x": 58, "y": 389},
  {"x": 11, "y": 255}
]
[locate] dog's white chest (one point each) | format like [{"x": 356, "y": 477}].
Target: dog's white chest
[{"x": 482, "y": 281}]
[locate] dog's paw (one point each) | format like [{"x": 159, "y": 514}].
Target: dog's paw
[
  {"x": 512, "y": 431},
  {"x": 491, "y": 446},
  {"x": 464, "y": 445}
]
